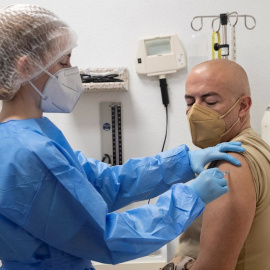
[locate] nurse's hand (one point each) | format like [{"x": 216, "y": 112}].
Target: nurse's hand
[
  {"x": 199, "y": 158},
  {"x": 209, "y": 185}
]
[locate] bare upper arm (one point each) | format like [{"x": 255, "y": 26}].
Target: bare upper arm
[{"x": 227, "y": 220}]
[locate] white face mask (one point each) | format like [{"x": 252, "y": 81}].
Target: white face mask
[{"x": 62, "y": 91}]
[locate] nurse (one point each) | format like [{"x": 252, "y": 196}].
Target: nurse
[{"x": 56, "y": 206}]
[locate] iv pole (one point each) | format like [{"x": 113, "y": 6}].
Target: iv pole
[{"x": 224, "y": 18}]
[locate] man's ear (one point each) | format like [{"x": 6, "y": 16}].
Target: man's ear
[
  {"x": 23, "y": 67},
  {"x": 245, "y": 106}
]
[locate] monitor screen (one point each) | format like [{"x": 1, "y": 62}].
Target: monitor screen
[{"x": 158, "y": 46}]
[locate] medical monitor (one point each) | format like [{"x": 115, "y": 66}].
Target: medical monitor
[{"x": 160, "y": 55}]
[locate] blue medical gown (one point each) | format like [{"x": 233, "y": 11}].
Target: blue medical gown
[{"x": 56, "y": 206}]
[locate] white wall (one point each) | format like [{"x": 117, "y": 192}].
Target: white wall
[{"x": 108, "y": 33}]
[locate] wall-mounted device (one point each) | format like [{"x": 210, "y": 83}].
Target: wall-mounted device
[
  {"x": 111, "y": 132},
  {"x": 160, "y": 55}
]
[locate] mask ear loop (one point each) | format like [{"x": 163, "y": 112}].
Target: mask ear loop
[
  {"x": 230, "y": 108},
  {"x": 44, "y": 97},
  {"x": 230, "y": 128},
  {"x": 226, "y": 114},
  {"x": 36, "y": 89}
]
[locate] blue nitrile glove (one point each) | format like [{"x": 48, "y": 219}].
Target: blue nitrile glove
[
  {"x": 199, "y": 158},
  {"x": 209, "y": 185}
]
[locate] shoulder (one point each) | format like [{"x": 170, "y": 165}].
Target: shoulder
[
  {"x": 237, "y": 175},
  {"x": 241, "y": 198},
  {"x": 26, "y": 144},
  {"x": 244, "y": 167}
]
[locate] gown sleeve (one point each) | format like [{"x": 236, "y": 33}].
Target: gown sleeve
[
  {"x": 52, "y": 199},
  {"x": 139, "y": 178}
]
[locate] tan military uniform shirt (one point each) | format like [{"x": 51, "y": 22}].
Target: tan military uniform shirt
[{"x": 255, "y": 253}]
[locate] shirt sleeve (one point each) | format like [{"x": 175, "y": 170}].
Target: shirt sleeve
[
  {"x": 81, "y": 225},
  {"x": 54, "y": 202},
  {"x": 137, "y": 179}
]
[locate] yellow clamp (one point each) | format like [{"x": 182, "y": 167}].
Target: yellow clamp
[{"x": 215, "y": 33}]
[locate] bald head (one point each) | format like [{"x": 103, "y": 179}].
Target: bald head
[
  {"x": 222, "y": 86},
  {"x": 228, "y": 74}
]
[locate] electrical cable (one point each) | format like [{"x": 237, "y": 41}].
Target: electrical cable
[
  {"x": 164, "y": 90},
  {"x": 86, "y": 78},
  {"x": 166, "y": 107},
  {"x": 107, "y": 157},
  {"x": 165, "y": 101}
]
